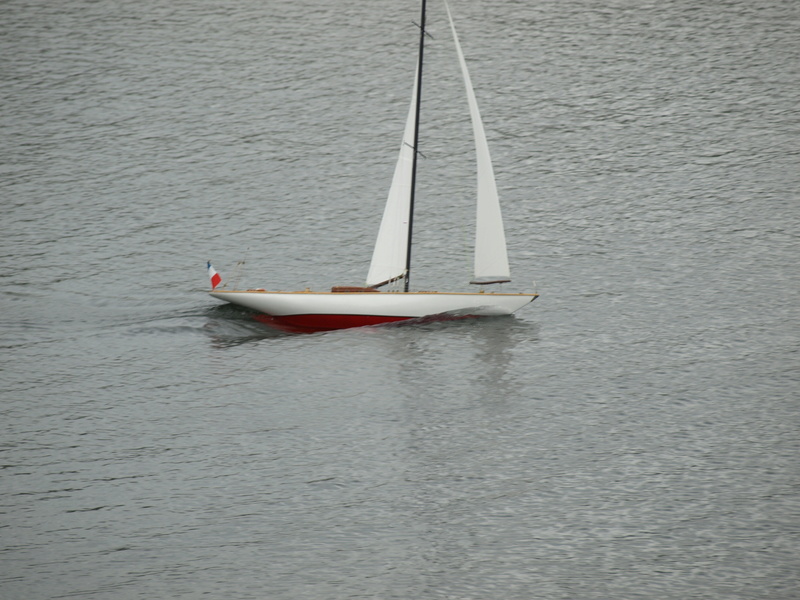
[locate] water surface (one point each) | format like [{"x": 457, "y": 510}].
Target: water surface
[{"x": 632, "y": 434}]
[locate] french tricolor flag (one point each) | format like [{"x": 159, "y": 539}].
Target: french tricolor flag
[{"x": 213, "y": 276}]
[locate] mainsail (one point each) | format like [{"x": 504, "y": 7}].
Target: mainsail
[{"x": 391, "y": 247}]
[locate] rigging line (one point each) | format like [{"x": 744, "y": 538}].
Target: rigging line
[
  {"x": 422, "y": 154},
  {"x": 238, "y": 271},
  {"x": 423, "y": 30},
  {"x": 388, "y": 281}
]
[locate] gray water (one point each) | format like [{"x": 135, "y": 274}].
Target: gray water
[{"x": 632, "y": 434}]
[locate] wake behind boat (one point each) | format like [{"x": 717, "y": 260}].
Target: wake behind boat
[{"x": 346, "y": 306}]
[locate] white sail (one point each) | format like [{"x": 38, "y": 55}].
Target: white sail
[
  {"x": 391, "y": 247},
  {"x": 491, "y": 256}
]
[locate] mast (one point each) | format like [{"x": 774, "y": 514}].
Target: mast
[{"x": 415, "y": 145}]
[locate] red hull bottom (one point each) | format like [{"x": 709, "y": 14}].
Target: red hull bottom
[{"x": 318, "y": 323}]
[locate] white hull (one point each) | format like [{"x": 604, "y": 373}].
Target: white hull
[{"x": 408, "y": 305}]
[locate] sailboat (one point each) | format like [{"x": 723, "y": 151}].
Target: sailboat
[{"x": 350, "y": 306}]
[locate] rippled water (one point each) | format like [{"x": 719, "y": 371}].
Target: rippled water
[{"x": 632, "y": 434}]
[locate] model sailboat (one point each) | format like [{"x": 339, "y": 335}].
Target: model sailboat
[{"x": 390, "y": 268}]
